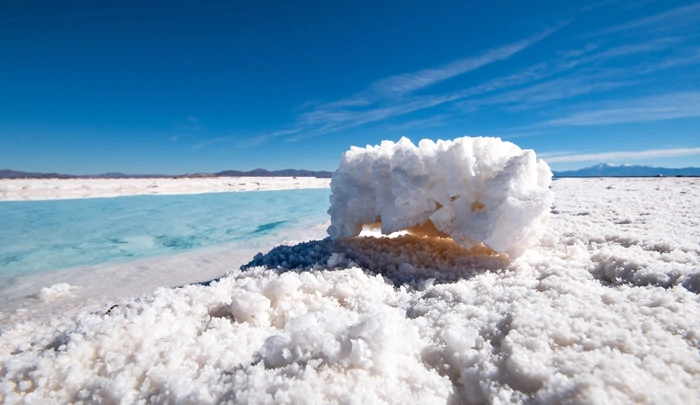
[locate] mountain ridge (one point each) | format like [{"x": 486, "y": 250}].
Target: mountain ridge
[{"x": 601, "y": 170}]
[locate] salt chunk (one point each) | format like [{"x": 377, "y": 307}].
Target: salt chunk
[{"x": 474, "y": 190}]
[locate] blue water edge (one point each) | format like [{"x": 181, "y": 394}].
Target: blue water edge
[{"x": 38, "y": 236}]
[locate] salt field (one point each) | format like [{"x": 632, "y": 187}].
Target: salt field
[
  {"x": 351, "y": 203},
  {"x": 48, "y": 189},
  {"x": 603, "y": 308}
]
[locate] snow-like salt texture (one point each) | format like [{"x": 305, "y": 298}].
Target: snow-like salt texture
[
  {"x": 404, "y": 259},
  {"x": 51, "y": 189},
  {"x": 55, "y": 291},
  {"x": 604, "y": 309},
  {"x": 470, "y": 189}
]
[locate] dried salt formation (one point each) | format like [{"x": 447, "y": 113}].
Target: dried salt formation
[{"x": 474, "y": 190}]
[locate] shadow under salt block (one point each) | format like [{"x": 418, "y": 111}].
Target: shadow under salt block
[{"x": 403, "y": 259}]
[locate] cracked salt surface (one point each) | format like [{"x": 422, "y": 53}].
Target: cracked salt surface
[{"x": 603, "y": 310}]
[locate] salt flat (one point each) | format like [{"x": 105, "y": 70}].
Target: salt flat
[
  {"x": 46, "y": 189},
  {"x": 604, "y": 309}
]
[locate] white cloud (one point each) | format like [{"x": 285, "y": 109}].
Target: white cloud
[
  {"x": 632, "y": 49},
  {"x": 554, "y": 154},
  {"x": 664, "y": 107},
  {"x": 691, "y": 56},
  {"x": 619, "y": 155},
  {"x": 434, "y": 121},
  {"x": 588, "y": 80},
  {"x": 561, "y": 88},
  {"x": 594, "y": 64},
  {"x": 668, "y": 20},
  {"x": 210, "y": 142},
  {"x": 410, "y": 82},
  {"x": 257, "y": 140},
  {"x": 392, "y": 97}
]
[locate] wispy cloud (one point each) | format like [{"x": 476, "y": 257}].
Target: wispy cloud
[
  {"x": 210, "y": 142},
  {"x": 507, "y": 91},
  {"x": 431, "y": 122},
  {"x": 393, "y": 96},
  {"x": 530, "y": 88},
  {"x": 690, "y": 57},
  {"x": 620, "y": 155},
  {"x": 597, "y": 5},
  {"x": 189, "y": 124},
  {"x": 515, "y": 133},
  {"x": 595, "y": 65},
  {"x": 561, "y": 88},
  {"x": 669, "y": 20},
  {"x": 240, "y": 141},
  {"x": 578, "y": 51},
  {"x": 664, "y": 107},
  {"x": 548, "y": 155},
  {"x": 407, "y": 83},
  {"x": 632, "y": 49},
  {"x": 257, "y": 140},
  {"x": 553, "y": 81}
]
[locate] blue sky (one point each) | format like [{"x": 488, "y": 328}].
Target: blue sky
[{"x": 180, "y": 87}]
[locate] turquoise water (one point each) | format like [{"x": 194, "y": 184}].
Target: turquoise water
[{"x": 37, "y": 236}]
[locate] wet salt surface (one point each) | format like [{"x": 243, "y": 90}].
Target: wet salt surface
[{"x": 604, "y": 309}]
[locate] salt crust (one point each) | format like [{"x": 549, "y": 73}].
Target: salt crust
[
  {"x": 601, "y": 311},
  {"x": 402, "y": 259},
  {"x": 56, "y": 291},
  {"x": 470, "y": 189},
  {"x": 50, "y": 189}
]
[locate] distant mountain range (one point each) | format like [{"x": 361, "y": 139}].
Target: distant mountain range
[
  {"x": 608, "y": 170},
  {"x": 13, "y": 174},
  {"x": 602, "y": 170}
]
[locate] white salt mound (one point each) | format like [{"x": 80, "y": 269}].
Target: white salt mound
[
  {"x": 470, "y": 189},
  {"x": 56, "y": 291}
]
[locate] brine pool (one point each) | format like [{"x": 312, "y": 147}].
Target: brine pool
[{"x": 46, "y": 236}]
